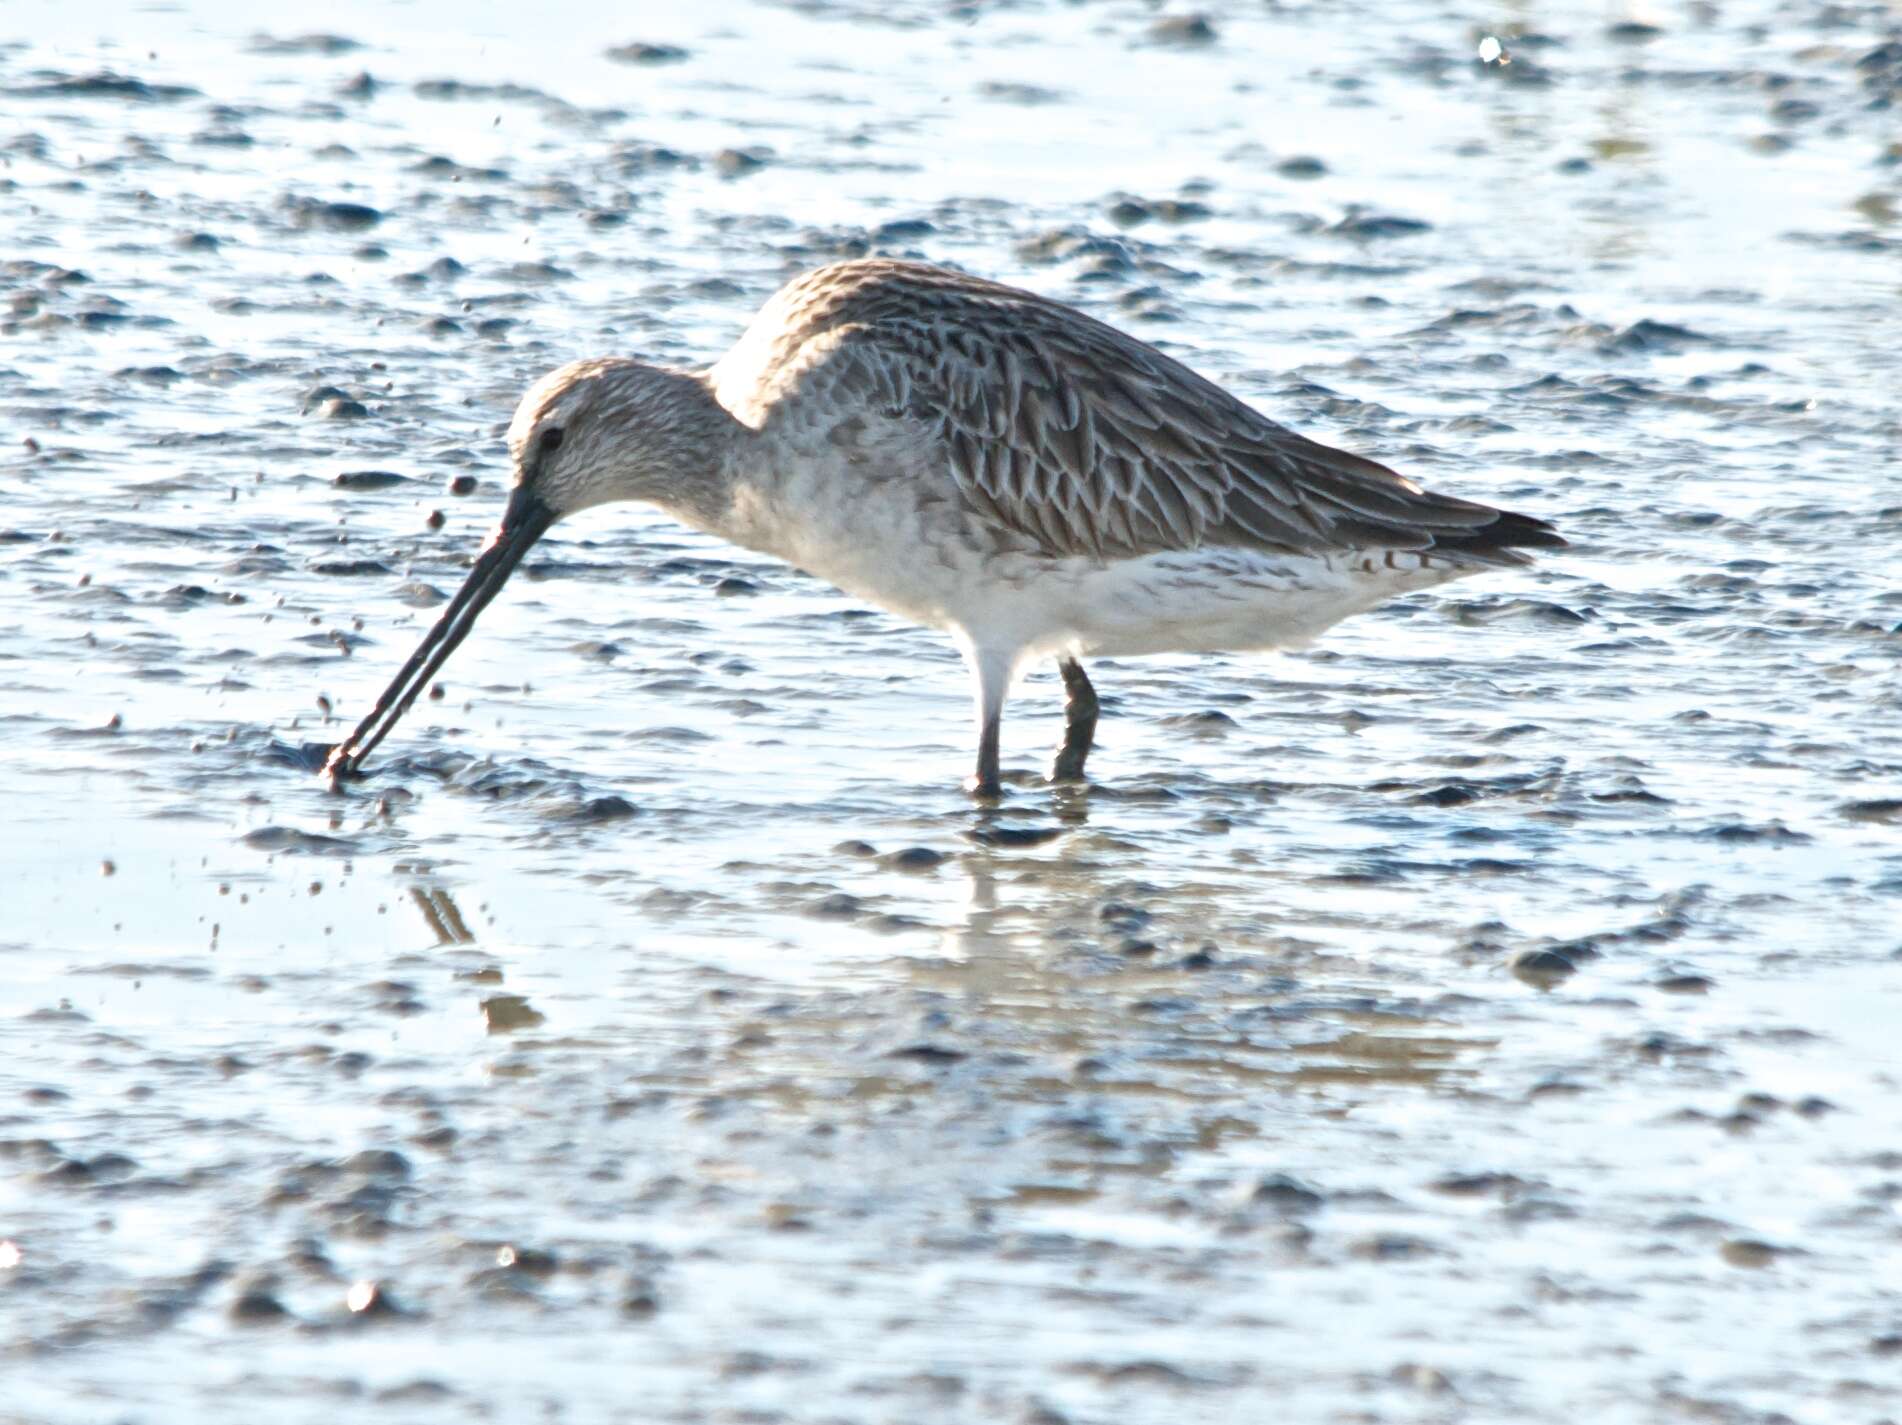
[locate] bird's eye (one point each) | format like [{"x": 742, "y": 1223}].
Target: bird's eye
[{"x": 551, "y": 440}]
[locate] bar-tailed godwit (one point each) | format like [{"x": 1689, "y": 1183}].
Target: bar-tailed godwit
[{"x": 985, "y": 461}]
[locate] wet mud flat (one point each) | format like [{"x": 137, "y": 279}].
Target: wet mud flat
[{"x": 1486, "y": 1015}]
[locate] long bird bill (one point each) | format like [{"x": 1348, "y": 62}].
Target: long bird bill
[{"x": 524, "y": 521}]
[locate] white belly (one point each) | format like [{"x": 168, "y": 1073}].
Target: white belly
[
  {"x": 926, "y": 565},
  {"x": 1225, "y": 600}
]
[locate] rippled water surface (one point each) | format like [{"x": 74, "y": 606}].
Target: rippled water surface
[{"x": 1489, "y": 1014}]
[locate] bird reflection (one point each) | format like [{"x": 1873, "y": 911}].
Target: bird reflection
[
  {"x": 1124, "y": 977},
  {"x": 439, "y": 910}
]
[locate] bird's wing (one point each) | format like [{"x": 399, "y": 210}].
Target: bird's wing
[{"x": 1085, "y": 440}]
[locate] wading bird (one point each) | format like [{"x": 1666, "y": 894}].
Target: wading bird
[{"x": 984, "y": 461}]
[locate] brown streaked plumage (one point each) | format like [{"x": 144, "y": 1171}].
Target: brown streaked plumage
[
  {"x": 1077, "y": 435},
  {"x": 989, "y": 462}
]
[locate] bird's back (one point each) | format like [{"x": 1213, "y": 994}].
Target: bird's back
[{"x": 1075, "y": 436}]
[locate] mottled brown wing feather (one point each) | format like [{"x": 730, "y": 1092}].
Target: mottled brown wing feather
[{"x": 1087, "y": 441}]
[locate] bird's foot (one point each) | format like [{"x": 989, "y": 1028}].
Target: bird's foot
[{"x": 1068, "y": 768}]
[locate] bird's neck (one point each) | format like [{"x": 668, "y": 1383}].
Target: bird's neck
[
  {"x": 691, "y": 461},
  {"x": 728, "y": 483}
]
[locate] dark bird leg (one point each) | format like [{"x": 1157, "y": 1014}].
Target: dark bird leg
[
  {"x": 1079, "y": 729},
  {"x": 991, "y": 670},
  {"x": 986, "y": 783}
]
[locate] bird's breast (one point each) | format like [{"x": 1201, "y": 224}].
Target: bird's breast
[{"x": 880, "y": 535}]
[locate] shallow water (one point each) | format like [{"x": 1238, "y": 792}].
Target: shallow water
[{"x": 1487, "y": 1015}]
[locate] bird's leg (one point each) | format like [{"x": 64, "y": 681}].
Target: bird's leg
[
  {"x": 1079, "y": 725},
  {"x": 985, "y": 783},
  {"x": 992, "y": 671}
]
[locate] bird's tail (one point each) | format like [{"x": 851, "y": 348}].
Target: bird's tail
[{"x": 1502, "y": 542}]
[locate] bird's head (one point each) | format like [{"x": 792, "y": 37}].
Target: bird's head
[
  {"x": 611, "y": 428},
  {"x": 585, "y": 434}
]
